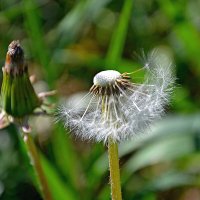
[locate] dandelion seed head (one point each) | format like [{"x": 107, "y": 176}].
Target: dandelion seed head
[{"x": 117, "y": 108}]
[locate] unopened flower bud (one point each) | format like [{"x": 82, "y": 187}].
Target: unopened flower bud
[{"x": 18, "y": 96}]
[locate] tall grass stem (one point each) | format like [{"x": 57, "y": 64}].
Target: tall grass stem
[{"x": 119, "y": 35}]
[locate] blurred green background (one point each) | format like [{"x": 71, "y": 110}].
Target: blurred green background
[{"x": 66, "y": 43}]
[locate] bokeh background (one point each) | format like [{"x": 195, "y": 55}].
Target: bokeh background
[{"x": 66, "y": 43}]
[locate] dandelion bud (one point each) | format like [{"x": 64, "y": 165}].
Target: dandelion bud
[
  {"x": 118, "y": 108},
  {"x": 18, "y": 96}
]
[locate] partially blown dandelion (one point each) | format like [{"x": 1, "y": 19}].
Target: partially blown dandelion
[{"x": 118, "y": 108}]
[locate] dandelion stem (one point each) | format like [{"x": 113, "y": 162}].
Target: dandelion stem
[
  {"x": 113, "y": 158},
  {"x": 114, "y": 170},
  {"x": 35, "y": 161}
]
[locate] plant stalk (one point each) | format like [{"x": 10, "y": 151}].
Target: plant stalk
[
  {"x": 113, "y": 160},
  {"x": 35, "y": 161},
  {"x": 114, "y": 170}
]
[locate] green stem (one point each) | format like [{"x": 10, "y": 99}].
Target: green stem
[
  {"x": 35, "y": 161},
  {"x": 114, "y": 170},
  {"x": 113, "y": 160}
]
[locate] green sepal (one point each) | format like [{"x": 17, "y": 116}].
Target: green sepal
[
  {"x": 18, "y": 96},
  {"x": 31, "y": 99},
  {"x": 6, "y": 92}
]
